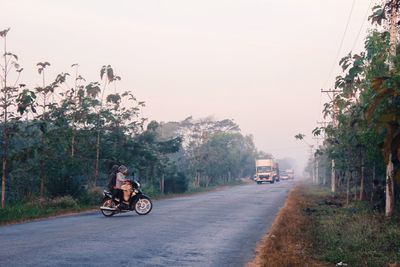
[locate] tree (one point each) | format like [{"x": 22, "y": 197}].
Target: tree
[
  {"x": 365, "y": 111},
  {"x": 10, "y": 95},
  {"x": 386, "y": 99}
]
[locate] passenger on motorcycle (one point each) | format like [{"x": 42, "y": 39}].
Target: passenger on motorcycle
[{"x": 120, "y": 180}]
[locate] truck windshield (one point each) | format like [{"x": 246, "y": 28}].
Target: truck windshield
[{"x": 263, "y": 168}]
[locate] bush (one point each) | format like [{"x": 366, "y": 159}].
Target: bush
[
  {"x": 92, "y": 196},
  {"x": 150, "y": 190},
  {"x": 354, "y": 234},
  {"x": 65, "y": 185},
  {"x": 64, "y": 202},
  {"x": 176, "y": 183}
]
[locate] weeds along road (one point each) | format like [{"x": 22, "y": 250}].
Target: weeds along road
[{"x": 219, "y": 228}]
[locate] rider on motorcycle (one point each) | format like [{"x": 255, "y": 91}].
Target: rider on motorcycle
[{"x": 120, "y": 180}]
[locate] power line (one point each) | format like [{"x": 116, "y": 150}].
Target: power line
[
  {"x": 362, "y": 25},
  {"x": 286, "y": 148},
  {"x": 341, "y": 43}
]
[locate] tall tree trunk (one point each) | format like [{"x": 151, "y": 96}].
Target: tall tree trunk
[
  {"x": 354, "y": 176},
  {"x": 74, "y": 112},
  {"x": 41, "y": 164},
  {"x": 197, "y": 181},
  {"x": 348, "y": 174},
  {"x": 207, "y": 180},
  {"x": 333, "y": 177},
  {"x": 5, "y": 155},
  {"x": 96, "y": 171},
  {"x": 5, "y": 131},
  {"x": 4, "y": 173},
  {"x": 162, "y": 184},
  {"x": 44, "y": 120},
  {"x": 73, "y": 142},
  {"x": 313, "y": 171},
  {"x": 373, "y": 181},
  {"x": 389, "y": 167},
  {"x": 362, "y": 180},
  {"x": 389, "y": 188}
]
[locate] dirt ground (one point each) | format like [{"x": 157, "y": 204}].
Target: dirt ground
[{"x": 286, "y": 243}]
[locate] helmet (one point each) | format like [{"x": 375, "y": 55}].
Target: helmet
[
  {"x": 114, "y": 169},
  {"x": 123, "y": 169}
]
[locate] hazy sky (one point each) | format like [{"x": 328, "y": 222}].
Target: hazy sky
[{"x": 259, "y": 62}]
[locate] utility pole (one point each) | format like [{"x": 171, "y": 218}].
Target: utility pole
[
  {"x": 323, "y": 124},
  {"x": 313, "y": 169},
  {"x": 392, "y": 54},
  {"x": 334, "y": 123},
  {"x": 316, "y": 159}
]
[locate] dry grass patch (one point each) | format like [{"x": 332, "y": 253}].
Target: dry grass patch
[
  {"x": 317, "y": 228},
  {"x": 286, "y": 244}
]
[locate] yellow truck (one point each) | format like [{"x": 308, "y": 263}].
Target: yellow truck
[{"x": 266, "y": 171}]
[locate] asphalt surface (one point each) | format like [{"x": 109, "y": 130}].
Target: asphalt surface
[{"x": 219, "y": 228}]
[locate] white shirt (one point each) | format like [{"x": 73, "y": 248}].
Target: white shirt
[{"x": 120, "y": 180}]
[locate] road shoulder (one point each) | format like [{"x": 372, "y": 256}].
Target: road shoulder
[{"x": 287, "y": 244}]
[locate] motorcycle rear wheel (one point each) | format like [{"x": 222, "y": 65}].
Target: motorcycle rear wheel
[
  {"x": 108, "y": 203},
  {"x": 143, "y": 206}
]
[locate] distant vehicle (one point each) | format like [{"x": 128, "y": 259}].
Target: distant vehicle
[
  {"x": 290, "y": 173},
  {"x": 266, "y": 171},
  {"x": 284, "y": 175}
]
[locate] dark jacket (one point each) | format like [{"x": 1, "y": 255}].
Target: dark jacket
[{"x": 112, "y": 176}]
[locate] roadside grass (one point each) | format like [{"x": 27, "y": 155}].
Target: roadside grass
[
  {"x": 287, "y": 244},
  {"x": 355, "y": 234},
  {"x": 29, "y": 211},
  {"x": 35, "y": 209},
  {"x": 316, "y": 228}
]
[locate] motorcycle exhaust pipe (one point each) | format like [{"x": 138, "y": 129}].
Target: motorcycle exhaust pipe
[{"x": 108, "y": 208}]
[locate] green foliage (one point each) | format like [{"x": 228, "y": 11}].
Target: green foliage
[
  {"x": 176, "y": 183},
  {"x": 355, "y": 235},
  {"x": 151, "y": 190},
  {"x": 364, "y": 134},
  {"x": 39, "y": 209},
  {"x": 63, "y": 202},
  {"x": 299, "y": 136},
  {"x": 91, "y": 197},
  {"x": 70, "y": 136}
]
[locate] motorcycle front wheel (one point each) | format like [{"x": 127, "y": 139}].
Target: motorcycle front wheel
[
  {"x": 108, "y": 203},
  {"x": 143, "y": 206}
]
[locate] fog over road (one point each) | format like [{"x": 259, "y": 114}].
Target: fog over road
[{"x": 219, "y": 228}]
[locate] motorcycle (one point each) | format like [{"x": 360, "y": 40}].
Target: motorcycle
[{"x": 133, "y": 199}]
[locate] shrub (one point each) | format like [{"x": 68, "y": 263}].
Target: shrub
[
  {"x": 150, "y": 190},
  {"x": 63, "y": 202},
  {"x": 177, "y": 183},
  {"x": 91, "y": 196}
]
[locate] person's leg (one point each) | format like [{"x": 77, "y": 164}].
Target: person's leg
[
  {"x": 120, "y": 196},
  {"x": 115, "y": 195}
]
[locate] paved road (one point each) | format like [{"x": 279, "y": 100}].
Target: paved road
[{"x": 219, "y": 228}]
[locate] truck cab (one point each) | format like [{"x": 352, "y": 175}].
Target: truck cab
[{"x": 266, "y": 171}]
